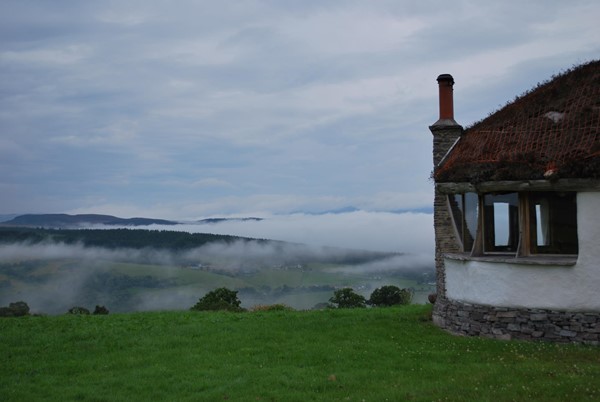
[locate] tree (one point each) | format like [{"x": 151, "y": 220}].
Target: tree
[
  {"x": 17, "y": 309},
  {"x": 219, "y": 299},
  {"x": 77, "y": 310},
  {"x": 347, "y": 298},
  {"x": 390, "y": 295},
  {"x": 100, "y": 310}
]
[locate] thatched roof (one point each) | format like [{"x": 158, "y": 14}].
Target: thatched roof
[{"x": 554, "y": 129}]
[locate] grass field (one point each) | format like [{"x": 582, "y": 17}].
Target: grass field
[{"x": 382, "y": 354}]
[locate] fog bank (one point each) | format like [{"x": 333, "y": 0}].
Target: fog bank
[
  {"x": 363, "y": 230},
  {"x": 329, "y": 238},
  {"x": 53, "y": 277}
]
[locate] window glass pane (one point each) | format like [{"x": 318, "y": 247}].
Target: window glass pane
[
  {"x": 456, "y": 206},
  {"x": 471, "y": 206},
  {"x": 501, "y": 222},
  {"x": 554, "y": 223},
  {"x": 501, "y": 228},
  {"x": 464, "y": 214},
  {"x": 541, "y": 223}
]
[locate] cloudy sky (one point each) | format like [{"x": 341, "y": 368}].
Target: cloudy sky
[{"x": 189, "y": 109}]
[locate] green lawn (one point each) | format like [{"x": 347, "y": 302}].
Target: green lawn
[{"x": 389, "y": 354}]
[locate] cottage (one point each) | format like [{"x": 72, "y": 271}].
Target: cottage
[{"x": 517, "y": 214}]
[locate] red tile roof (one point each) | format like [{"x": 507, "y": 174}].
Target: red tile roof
[{"x": 555, "y": 126}]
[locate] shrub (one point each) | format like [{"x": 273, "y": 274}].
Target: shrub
[
  {"x": 17, "y": 309},
  {"x": 78, "y": 310},
  {"x": 390, "y": 295},
  {"x": 347, "y": 298},
  {"x": 406, "y": 296},
  {"x": 218, "y": 300},
  {"x": 100, "y": 310}
]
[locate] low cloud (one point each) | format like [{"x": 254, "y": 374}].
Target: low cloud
[
  {"x": 394, "y": 264},
  {"x": 361, "y": 230},
  {"x": 14, "y": 253}
]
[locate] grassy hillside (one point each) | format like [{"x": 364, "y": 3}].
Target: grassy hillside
[{"x": 332, "y": 355}]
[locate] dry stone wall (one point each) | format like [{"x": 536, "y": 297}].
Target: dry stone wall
[{"x": 514, "y": 323}]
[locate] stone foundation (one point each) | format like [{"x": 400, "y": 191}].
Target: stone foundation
[{"x": 517, "y": 323}]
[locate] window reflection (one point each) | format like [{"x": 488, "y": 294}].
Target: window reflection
[
  {"x": 554, "y": 223},
  {"x": 464, "y": 212},
  {"x": 501, "y": 222},
  {"x": 549, "y": 221}
]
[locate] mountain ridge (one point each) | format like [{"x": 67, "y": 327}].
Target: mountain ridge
[{"x": 70, "y": 221}]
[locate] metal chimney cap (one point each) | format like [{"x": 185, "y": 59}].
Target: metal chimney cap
[{"x": 445, "y": 77}]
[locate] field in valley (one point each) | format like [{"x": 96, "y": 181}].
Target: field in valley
[{"x": 54, "y": 286}]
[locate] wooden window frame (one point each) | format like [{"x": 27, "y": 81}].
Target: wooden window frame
[
  {"x": 461, "y": 229},
  {"x": 561, "y": 238},
  {"x": 526, "y": 230}
]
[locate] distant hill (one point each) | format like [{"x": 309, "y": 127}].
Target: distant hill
[
  {"x": 7, "y": 217},
  {"x": 115, "y": 238},
  {"x": 77, "y": 221},
  {"x": 220, "y": 220}
]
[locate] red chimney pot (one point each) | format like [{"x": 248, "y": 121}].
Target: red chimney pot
[{"x": 445, "y": 82}]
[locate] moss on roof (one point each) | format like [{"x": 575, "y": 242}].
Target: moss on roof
[{"x": 555, "y": 126}]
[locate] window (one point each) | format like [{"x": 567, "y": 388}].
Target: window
[
  {"x": 519, "y": 224},
  {"x": 464, "y": 209},
  {"x": 553, "y": 225},
  {"x": 500, "y": 222}
]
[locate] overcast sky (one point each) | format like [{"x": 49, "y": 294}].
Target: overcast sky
[{"x": 189, "y": 109}]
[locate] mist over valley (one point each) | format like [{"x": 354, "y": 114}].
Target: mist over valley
[{"x": 139, "y": 270}]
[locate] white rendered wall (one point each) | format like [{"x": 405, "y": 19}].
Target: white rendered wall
[{"x": 575, "y": 287}]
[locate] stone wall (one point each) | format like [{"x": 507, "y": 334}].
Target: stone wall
[
  {"x": 445, "y": 239},
  {"x": 514, "y": 323},
  {"x": 444, "y": 137}
]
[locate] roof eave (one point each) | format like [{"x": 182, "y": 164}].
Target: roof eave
[{"x": 519, "y": 185}]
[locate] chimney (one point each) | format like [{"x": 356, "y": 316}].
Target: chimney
[
  {"x": 446, "y": 130},
  {"x": 445, "y": 82}
]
